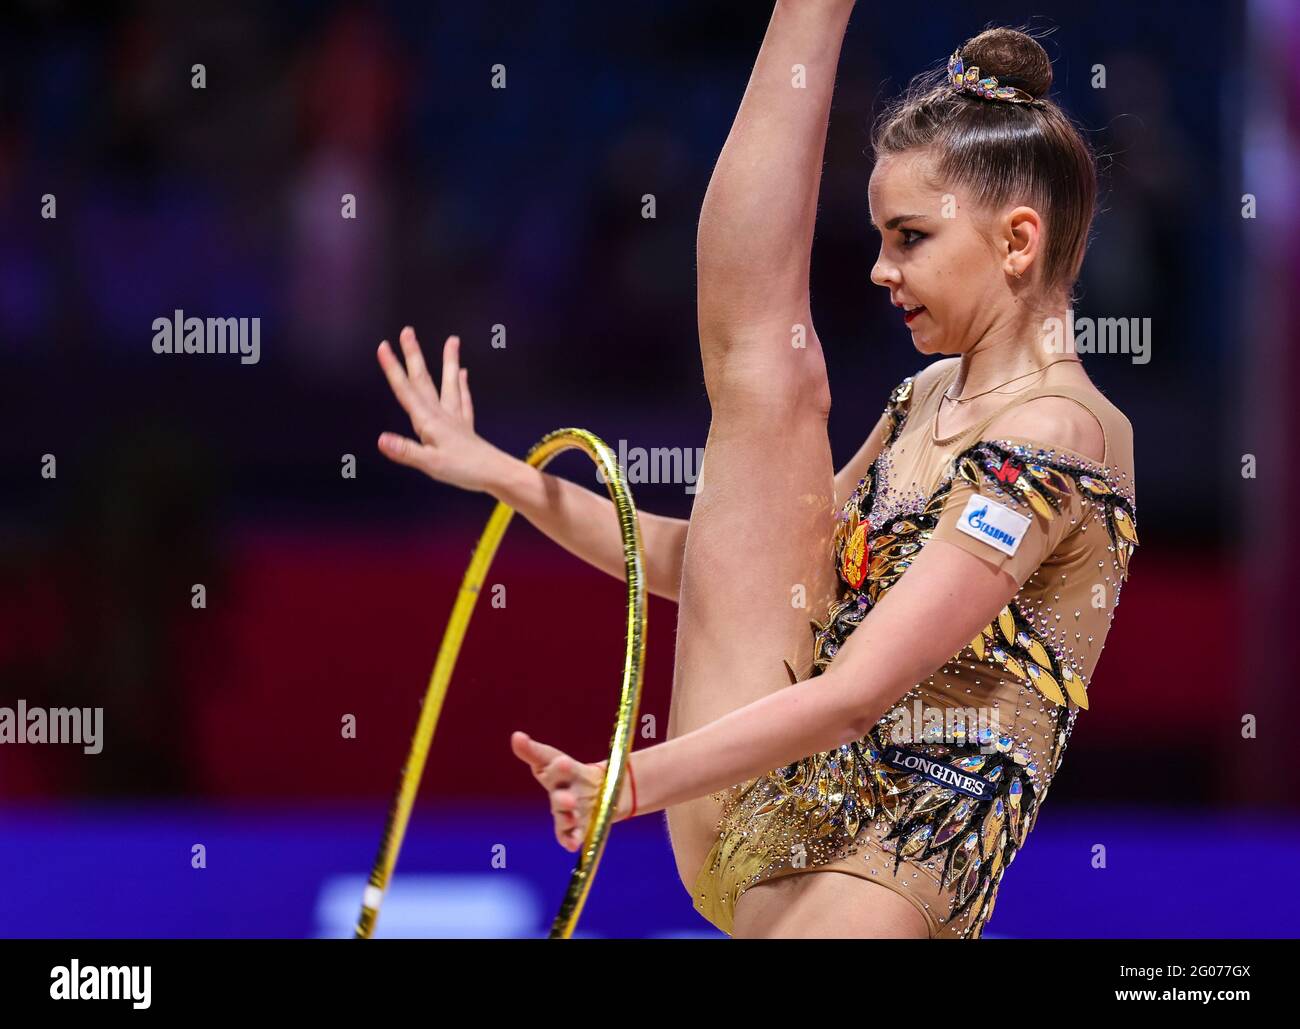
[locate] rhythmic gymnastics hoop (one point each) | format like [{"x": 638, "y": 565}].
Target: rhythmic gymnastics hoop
[{"x": 593, "y": 845}]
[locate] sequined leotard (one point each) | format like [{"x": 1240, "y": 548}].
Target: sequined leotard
[{"x": 939, "y": 822}]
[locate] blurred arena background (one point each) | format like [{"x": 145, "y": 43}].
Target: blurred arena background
[{"x": 522, "y": 207}]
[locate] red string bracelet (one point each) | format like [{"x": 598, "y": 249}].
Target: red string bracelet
[{"x": 632, "y": 779}]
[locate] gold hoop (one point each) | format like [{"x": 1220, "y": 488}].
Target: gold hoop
[{"x": 593, "y": 845}]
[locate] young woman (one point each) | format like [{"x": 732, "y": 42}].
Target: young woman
[{"x": 968, "y": 559}]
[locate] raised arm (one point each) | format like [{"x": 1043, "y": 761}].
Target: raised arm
[
  {"x": 585, "y": 524},
  {"x": 754, "y": 241},
  {"x": 451, "y": 451}
]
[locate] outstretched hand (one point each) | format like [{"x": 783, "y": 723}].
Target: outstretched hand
[{"x": 447, "y": 449}]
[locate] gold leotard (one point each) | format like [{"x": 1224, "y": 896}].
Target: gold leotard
[{"x": 933, "y": 812}]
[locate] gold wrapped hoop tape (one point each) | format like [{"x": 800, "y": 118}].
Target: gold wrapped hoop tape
[{"x": 629, "y": 700}]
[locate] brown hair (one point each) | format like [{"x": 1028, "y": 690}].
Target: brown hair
[{"x": 1004, "y": 152}]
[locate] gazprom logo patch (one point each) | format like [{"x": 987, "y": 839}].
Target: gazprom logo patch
[{"x": 993, "y": 523}]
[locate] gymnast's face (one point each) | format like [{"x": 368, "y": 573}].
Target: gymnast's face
[{"x": 948, "y": 263}]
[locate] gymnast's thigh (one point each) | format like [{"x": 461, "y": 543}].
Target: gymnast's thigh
[
  {"x": 829, "y": 903},
  {"x": 758, "y": 567},
  {"x": 758, "y": 563}
]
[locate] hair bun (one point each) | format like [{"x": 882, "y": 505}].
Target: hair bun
[{"x": 1016, "y": 59}]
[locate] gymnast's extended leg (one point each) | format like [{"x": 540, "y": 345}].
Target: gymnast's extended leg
[{"x": 757, "y": 563}]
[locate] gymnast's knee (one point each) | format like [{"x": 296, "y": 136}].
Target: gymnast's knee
[
  {"x": 768, "y": 392},
  {"x": 766, "y": 367}
]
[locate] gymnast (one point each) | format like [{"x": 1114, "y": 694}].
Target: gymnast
[{"x": 970, "y": 554}]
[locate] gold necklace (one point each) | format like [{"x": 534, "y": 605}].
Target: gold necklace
[{"x": 962, "y": 400}]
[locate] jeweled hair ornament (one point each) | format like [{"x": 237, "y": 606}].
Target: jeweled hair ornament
[{"x": 968, "y": 80}]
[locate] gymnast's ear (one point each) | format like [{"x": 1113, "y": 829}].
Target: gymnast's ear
[{"x": 1020, "y": 240}]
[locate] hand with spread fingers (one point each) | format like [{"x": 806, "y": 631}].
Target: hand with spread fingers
[{"x": 447, "y": 448}]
